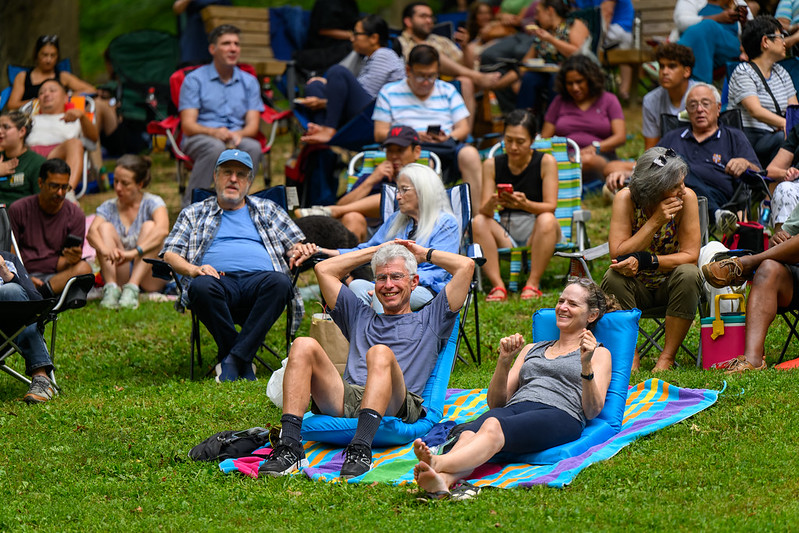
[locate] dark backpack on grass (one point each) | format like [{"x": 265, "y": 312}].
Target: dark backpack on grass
[{"x": 230, "y": 445}]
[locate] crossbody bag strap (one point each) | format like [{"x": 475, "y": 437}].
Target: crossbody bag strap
[{"x": 768, "y": 89}]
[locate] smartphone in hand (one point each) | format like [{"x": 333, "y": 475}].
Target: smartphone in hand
[
  {"x": 505, "y": 187},
  {"x": 434, "y": 129},
  {"x": 72, "y": 241}
]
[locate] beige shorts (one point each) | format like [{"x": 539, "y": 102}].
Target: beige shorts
[{"x": 410, "y": 411}]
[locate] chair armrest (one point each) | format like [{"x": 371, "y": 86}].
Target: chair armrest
[
  {"x": 475, "y": 252},
  {"x": 162, "y": 269},
  {"x": 581, "y": 215}
]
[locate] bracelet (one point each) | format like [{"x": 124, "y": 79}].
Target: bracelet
[
  {"x": 430, "y": 254},
  {"x": 589, "y": 377},
  {"x": 139, "y": 251}
]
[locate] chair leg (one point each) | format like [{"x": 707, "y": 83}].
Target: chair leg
[
  {"x": 194, "y": 343},
  {"x": 791, "y": 318},
  {"x": 477, "y": 328}
]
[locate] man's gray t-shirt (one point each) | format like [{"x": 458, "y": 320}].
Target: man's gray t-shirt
[
  {"x": 656, "y": 102},
  {"x": 415, "y": 338}
]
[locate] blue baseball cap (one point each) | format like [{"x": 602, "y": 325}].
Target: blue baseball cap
[{"x": 235, "y": 155}]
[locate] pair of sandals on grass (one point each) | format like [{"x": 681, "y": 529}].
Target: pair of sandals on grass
[
  {"x": 460, "y": 491},
  {"x": 500, "y": 294}
]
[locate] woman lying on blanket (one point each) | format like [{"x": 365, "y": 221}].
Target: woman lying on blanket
[{"x": 540, "y": 400}]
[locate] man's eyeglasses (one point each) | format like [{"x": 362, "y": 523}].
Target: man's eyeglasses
[
  {"x": 430, "y": 78},
  {"x": 660, "y": 161},
  {"x": 395, "y": 277},
  {"x": 780, "y": 35},
  {"x": 705, "y": 103},
  {"x": 404, "y": 190},
  {"x": 66, "y": 187}
]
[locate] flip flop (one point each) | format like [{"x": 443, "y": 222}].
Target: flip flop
[
  {"x": 497, "y": 294},
  {"x": 535, "y": 290},
  {"x": 463, "y": 490},
  {"x": 428, "y": 497}
]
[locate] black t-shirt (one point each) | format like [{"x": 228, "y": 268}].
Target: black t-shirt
[
  {"x": 529, "y": 181},
  {"x": 791, "y": 143},
  {"x": 330, "y": 15}
]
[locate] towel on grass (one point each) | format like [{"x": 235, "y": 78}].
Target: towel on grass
[{"x": 651, "y": 405}]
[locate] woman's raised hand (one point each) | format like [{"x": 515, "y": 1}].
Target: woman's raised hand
[
  {"x": 667, "y": 209},
  {"x": 509, "y": 347},
  {"x": 587, "y": 346}
]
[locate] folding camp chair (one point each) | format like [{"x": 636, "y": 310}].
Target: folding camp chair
[
  {"x": 571, "y": 216},
  {"x": 65, "y": 65},
  {"x": 791, "y": 318},
  {"x": 462, "y": 208},
  {"x": 657, "y": 315},
  {"x": 14, "y": 318},
  {"x": 163, "y": 270},
  {"x": 170, "y": 127},
  {"x": 85, "y": 104}
]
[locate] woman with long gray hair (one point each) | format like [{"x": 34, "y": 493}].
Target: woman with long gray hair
[
  {"x": 425, "y": 216},
  {"x": 654, "y": 239}
]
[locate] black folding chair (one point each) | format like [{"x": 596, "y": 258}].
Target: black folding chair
[
  {"x": 791, "y": 318},
  {"x": 163, "y": 270},
  {"x": 14, "y": 318}
]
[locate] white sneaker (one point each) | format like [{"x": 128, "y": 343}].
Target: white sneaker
[
  {"x": 111, "y": 294},
  {"x": 130, "y": 296}
]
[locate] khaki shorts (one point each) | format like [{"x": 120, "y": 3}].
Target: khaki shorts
[{"x": 410, "y": 411}]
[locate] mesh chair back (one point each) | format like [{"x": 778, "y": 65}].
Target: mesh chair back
[
  {"x": 370, "y": 159},
  {"x": 570, "y": 181}
]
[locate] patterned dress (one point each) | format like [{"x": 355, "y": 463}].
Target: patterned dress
[{"x": 664, "y": 242}]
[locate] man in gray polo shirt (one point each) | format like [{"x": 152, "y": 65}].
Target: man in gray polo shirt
[{"x": 391, "y": 355}]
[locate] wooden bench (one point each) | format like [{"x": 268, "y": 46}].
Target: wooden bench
[
  {"x": 256, "y": 48},
  {"x": 657, "y": 21}
]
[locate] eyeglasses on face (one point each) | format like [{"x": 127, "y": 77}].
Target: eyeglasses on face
[
  {"x": 66, "y": 187},
  {"x": 704, "y": 103},
  {"x": 430, "y": 78},
  {"x": 404, "y": 190},
  {"x": 395, "y": 277},
  {"x": 780, "y": 35},
  {"x": 660, "y": 161}
]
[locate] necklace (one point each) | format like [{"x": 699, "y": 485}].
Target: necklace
[{"x": 560, "y": 350}]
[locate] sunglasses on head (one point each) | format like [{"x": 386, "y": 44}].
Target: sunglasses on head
[{"x": 660, "y": 161}]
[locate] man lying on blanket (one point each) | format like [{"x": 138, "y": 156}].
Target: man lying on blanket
[{"x": 391, "y": 355}]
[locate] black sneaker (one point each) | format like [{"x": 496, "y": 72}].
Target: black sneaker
[
  {"x": 283, "y": 460},
  {"x": 357, "y": 460}
]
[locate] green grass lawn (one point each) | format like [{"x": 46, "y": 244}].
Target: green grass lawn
[{"x": 110, "y": 451}]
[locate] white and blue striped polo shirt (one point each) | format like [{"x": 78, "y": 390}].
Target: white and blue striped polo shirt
[{"x": 396, "y": 104}]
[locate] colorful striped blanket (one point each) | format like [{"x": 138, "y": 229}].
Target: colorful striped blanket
[{"x": 651, "y": 405}]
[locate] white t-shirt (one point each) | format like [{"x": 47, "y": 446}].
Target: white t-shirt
[{"x": 48, "y": 130}]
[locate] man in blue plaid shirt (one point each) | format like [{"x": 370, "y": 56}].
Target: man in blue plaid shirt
[{"x": 234, "y": 254}]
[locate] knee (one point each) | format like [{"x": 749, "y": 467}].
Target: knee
[
  {"x": 82, "y": 267},
  {"x": 302, "y": 351},
  {"x": 493, "y": 429},
  {"x": 353, "y": 219},
  {"x": 615, "y": 283},
  {"x": 73, "y": 145},
  {"x": 481, "y": 222},
  {"x": 12, "y": 292},
  {"x": 469, "y": 157},
  {"x": 203, "y": 288},
  {"x": 688, "y": 275},
  {"x": 379, "y": 357},
  {"x": 547, "y": 222},
  {"x": 280, "y": 284},
  {"x": 768, "y": 273}
]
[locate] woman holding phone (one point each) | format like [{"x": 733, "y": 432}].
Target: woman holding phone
[
  {"x": 127, "y": 229},
  {"x": 523, "y": 184}
]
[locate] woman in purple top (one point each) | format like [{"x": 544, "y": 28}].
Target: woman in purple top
[{"x": 586, "y": 113}]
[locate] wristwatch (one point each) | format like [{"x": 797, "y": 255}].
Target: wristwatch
[
  {"x": 589, "y": 377},
  {"x": 596, "y": 145}
]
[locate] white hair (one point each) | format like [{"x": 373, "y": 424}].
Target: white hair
[
  {"x": 390, "y": 252},
  {"x": 433, "y": 202},
  {"x": 711, "y": 88}
]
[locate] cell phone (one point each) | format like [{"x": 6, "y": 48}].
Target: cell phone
[
  {"x": 505, "y": 187},
  {"x": 72, "y": 241},
  {"x": 434, "y": 129},
  {"x": 742, "y": 12}
]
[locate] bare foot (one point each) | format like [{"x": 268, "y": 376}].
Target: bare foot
[
  {"x": 320, "y": 135},
  {"x": 422, "y": 452},
  {"x": 663, "y": 364},
  {"x": 636, "y": 361},
  {"x": 428, "y": 479}
]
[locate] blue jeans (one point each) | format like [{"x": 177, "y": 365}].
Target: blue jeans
[
  {"x": 361, "y": 287},
  {"x": 30, "y": 341},
  {"x": 345, "y": 97},
  {"x": 254, "y": 300},
  {"x": 713, "y": 46}
]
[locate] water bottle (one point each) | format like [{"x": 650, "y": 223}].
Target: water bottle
[
  {"x": 637, "y": 30},
  {"x": 765, "y": 213},
  {"x": 267, "y": 93},
  {"x": 151, "y": 100}
]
